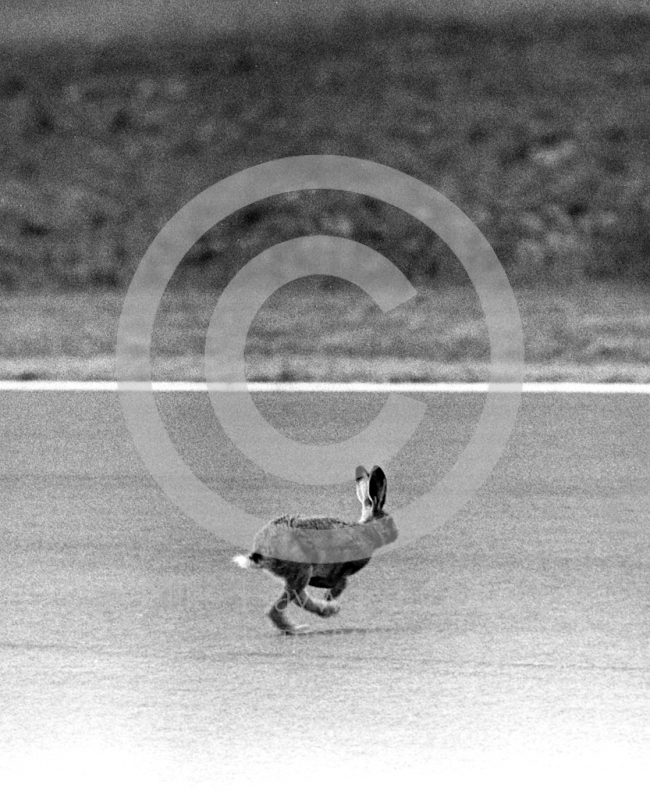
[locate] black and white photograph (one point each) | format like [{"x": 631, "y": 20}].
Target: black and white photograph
[{"x": 325, "y": 399}]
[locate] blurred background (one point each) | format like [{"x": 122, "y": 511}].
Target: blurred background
[
  {"x": 533, "y": 117},
  {"x": 93, "y": 19}
]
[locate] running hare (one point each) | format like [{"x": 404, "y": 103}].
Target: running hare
[{"x": 321, "y": 551}]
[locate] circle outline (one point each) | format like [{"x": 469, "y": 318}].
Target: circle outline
[{"x": 307, "y": 173}]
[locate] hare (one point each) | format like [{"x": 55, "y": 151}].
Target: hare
[{"x": 321, "y": 551}]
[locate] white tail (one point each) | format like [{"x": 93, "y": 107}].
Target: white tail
[{"x": 245, "y": 562}]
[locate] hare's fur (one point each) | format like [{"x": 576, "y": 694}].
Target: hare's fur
[{"x": 297, "y": 575}]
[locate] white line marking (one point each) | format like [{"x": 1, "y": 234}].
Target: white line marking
[{"x": 440, "y": 388}]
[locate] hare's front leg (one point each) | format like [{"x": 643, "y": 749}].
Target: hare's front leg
[
  {"x": 295, "y": 590},
  {"x": 324, "y": 608},
  {"x": 337, "y": 589},
  {"x": 300, "y": 596}
]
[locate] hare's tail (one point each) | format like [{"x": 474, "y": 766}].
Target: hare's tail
[{"x": 251, "y": 561}]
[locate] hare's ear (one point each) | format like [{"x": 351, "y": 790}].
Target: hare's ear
[
  {"x": 377, "y": 486},
  {"x": 362, "y": 484}
]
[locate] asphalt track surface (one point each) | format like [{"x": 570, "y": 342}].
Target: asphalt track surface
[{"x": 505, "y": 653}]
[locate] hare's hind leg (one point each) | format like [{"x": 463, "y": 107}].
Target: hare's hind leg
[
  {"x": 277, "y": 613},
  {"x": 295, "y": 577}
]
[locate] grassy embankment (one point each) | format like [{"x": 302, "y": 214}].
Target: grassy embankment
[
  {"x": 592, "y": 335},
  {"x": 538, "y": 132}
]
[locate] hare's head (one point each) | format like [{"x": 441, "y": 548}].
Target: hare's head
[{"x": 371, "y": 491}]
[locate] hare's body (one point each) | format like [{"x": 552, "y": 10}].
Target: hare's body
[{"x": 303, "y": 540}]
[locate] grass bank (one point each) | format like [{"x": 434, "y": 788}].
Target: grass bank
[
  {"x": 594, "y": 333},
  {"x": 537, "y": 128}
]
